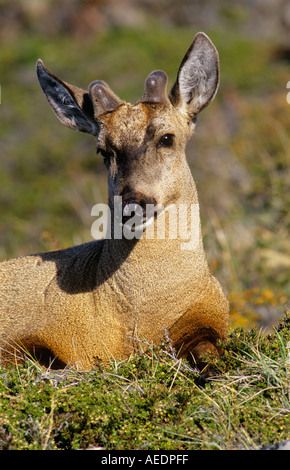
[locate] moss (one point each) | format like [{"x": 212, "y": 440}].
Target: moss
[{"x": 153, "y": 401}]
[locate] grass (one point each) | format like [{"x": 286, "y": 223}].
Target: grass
[{"x": 154, "y": 401}]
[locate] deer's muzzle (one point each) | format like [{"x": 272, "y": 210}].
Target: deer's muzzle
[{"x": 139, "y": 205}]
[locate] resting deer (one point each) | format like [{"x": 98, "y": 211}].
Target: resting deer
[{"x": 95, "y": 301}]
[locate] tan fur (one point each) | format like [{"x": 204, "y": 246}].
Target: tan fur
[{"x": 95, "y": 301}]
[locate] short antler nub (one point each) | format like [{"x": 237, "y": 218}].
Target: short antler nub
[
  {"x": 155, "y": 88},
  {"x": 103, "y": 98}
]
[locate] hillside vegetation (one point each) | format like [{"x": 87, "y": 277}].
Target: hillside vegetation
[{"x": 154, "y": 401}]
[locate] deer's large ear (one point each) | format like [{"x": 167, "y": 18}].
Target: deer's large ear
[
  {"x": 71, "y": 105},
  {"x": 198, "y": 77}
]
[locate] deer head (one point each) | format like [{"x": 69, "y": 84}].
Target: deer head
[{"x": 143, "y": 145}]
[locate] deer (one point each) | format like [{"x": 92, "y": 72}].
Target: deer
[{"x": 94, "y": 302}]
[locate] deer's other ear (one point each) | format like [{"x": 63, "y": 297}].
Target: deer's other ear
[
  {"x": 198, "y": 77},
  {"x": 71, "y": 105}
]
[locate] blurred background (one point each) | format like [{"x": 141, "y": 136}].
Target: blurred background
[{"x": 50, "y": 176}]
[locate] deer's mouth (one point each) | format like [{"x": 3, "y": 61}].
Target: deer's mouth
[{"x": 137, "y": 216}]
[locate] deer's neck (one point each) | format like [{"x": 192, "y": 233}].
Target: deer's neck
[
  {"x": 174, "y": 238},
  {"x": 151, "y": 279}
]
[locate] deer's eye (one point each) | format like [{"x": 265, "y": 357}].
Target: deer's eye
[
  {"x": 166, "y": 140},
  {"x": 106, "y": 155}
]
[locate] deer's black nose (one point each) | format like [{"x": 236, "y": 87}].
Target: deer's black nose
[
  {"x": 129, "y": 196},
  {"x": 135, "y": 202}
]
